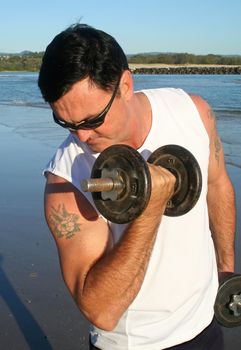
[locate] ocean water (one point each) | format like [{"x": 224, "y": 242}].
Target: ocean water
[{"x": 23, "y": 110}]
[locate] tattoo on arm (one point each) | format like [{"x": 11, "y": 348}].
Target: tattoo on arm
[
  {"x": 64, "y": 224},
  {"x": 218, "y": 147},
  {"x": 217, "y": 142}
]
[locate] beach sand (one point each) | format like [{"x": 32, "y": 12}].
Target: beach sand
[{"x": 36, "y": 310}]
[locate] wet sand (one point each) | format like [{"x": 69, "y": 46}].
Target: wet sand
[{"x": 36, "y": 310}]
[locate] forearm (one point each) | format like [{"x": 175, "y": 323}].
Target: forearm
[
  {"x": 104, "y": 288},
  {"x": 222, "y": 216},
  {"x": 114, "y": 280}
]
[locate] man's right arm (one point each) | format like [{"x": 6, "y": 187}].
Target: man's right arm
[{"x": 103, "y": 280}]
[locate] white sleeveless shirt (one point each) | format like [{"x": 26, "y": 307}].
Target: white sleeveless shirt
[{"x": 175, "y": 302}]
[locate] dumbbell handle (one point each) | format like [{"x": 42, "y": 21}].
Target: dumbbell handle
[{"x": 102, "y": 184}]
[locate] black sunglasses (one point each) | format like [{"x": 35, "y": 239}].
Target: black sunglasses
[{"x": 92, "y": 123}]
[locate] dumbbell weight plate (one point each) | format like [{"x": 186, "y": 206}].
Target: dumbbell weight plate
[
  {"x": 135, "y": 173},
  {"x": 230, "y": 285},
  {"x": 185, "y": 167}
]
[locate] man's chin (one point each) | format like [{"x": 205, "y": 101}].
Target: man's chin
[{"x": 97, "y": 148}]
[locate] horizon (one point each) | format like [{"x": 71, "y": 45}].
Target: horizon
[{"x": 29, "y": 52}]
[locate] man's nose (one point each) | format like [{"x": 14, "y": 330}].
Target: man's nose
[{"x": 83, "y": 135}]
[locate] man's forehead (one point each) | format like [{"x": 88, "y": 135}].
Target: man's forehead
[
  {"x": 81, "y": 91},
  {"x": 84, "y": 85}
]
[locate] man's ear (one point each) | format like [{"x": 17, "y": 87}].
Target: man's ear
[{"x": 126, "y": 85}]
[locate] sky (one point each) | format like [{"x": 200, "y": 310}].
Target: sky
[{"x": 192, "y": 26}]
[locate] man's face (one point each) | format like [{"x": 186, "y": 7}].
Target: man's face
[{"x": 85, "y": 102}]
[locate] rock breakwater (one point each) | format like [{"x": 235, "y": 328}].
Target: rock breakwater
[{"x": 186, "y": 70}]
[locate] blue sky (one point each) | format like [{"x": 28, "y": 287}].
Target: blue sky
[{"x": 193, "y": 26}]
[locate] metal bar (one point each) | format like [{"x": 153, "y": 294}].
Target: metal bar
[{"x": 101, "y": 185}]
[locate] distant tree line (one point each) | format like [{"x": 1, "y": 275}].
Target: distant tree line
[
  {"x": 185, "y": 58},
  {"x": 32, "y": 61},
  {"x": 28, "y": 62}
]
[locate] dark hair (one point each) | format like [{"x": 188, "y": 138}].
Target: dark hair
[{"x": 79, "y": 52}]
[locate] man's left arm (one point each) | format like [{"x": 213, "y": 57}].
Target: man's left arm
[{"x": 220, "y": 197}]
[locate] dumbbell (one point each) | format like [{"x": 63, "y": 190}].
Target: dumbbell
[
  {"x": 227, "y": 307},
  {"x": 120, "y": 181}
]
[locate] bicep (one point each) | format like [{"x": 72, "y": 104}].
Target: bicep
[{"x": 81, "y": 236}]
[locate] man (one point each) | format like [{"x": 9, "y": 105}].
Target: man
[{"x": 150, "y": 284}]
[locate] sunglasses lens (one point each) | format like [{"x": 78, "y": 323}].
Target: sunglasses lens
[
  {"x": 91, "y": 124},
  {"x": 95, "y": 123}
]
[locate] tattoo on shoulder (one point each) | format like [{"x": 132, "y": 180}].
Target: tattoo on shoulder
[
  {"x": 211, "y": 115},
  {"x": 64, "y": 224},
  {"x": 218, "y": 147}
]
